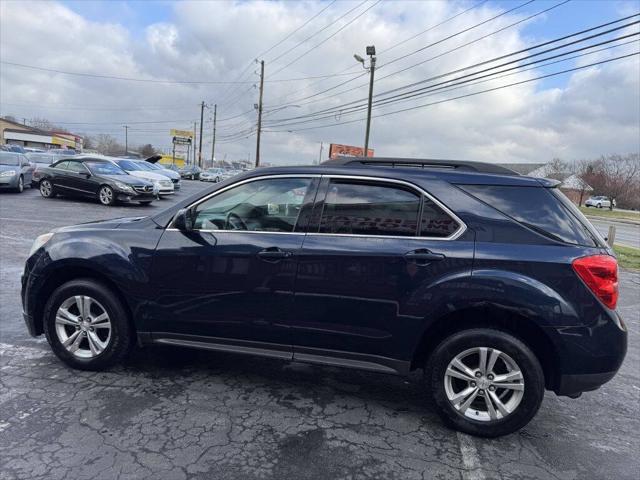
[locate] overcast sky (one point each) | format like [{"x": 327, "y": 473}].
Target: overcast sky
[{"x": 580, "y": 114}]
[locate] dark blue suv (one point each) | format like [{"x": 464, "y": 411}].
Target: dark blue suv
[{"x": 493, "y": 283}]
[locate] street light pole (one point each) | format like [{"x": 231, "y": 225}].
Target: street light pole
[
  {"x": 126, "y": 139},
  {"x": 260, "y": 113},
  {"x": 371, "y": 51},
  {"x": 372, "y": 69}
]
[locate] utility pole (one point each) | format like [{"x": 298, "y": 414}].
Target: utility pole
[
  {"x": 126, "y": 139},
  {"x": 371, "y": 51},
  {"x": 213, "y": 145},
  {"x": 195, "y": 141},
  {"x": 260, "y": 113},
  {"x": 201, "y": 124},
  {"x": 320, "y": 156}
]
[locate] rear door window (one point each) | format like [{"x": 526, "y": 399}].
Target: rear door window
[
  {"x": 538, "y": 209},
  {"x": 369, "y": 209}
]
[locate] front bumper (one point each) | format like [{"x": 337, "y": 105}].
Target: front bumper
[
  {"x": 135, "y": 197},
  {"x": 570, "y": 385},
  {"x": 9, "y": 182}
]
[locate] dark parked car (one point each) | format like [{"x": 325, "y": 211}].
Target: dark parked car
[
  {"x": 191, "y": 172},
  {"x": 93, "y": 177},
  {"x": 361, "y": 263},
  {"x": 15, "y": 171}
]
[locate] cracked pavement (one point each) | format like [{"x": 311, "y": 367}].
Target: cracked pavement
[{"x": 173, "y": 413}]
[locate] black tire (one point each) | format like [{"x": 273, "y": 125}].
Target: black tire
[
  {"x": 20, "y": 187},
  {"x": 122, "y": 334},
  {"x": 106, "y": 195},
  {"x": 599, "y": 205},
  {"x": 526, "y": 360},
  {"x": 46, "y": 188}
]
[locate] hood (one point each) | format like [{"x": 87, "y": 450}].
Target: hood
[
  {"x": 148, "y": 175},
  {"x": 128, "y": 179},
  {"x": 99, "y": 224},
  {"x": 169, "y": 173}
]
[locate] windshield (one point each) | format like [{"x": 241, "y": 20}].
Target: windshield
[
  {"x": 8, "y": 158},
  {"x": 144, "y": 166},
  {"x": 153, "y": 166},
  {"x": 104, "y": 168},
  {"x": 43, "y": 158},
  {"x": 128, "y": 165}
]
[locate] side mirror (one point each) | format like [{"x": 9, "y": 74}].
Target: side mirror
[
  {"x": 184, "y": 220},
  {"x": 85, "y": 174}
]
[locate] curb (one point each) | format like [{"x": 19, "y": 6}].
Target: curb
[{"x": 613, "y": 219}]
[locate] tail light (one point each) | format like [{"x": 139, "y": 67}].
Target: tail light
[{"x": 600, "y": 274}]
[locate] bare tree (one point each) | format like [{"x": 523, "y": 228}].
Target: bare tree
[
  {"x": 147, "y": 150},
  {"x": 41, "y": 123},
  {"x": 556, "y": 169},
  {"x": 108, "y": 145},
  {"x": 615, "y": 176}
]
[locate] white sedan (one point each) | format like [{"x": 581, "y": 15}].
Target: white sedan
[
  {"x": 163, "y": 184},
  {"x": 599, "y": 202}
]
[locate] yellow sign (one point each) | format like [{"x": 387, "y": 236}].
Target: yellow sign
[
  {"x": 181, "y": 133},
  {"x": 63, "y": 141}
]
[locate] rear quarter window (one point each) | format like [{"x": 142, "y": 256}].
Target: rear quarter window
[{"x": 538, "y": 209}]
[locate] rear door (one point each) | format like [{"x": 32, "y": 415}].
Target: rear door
[{"x": 366, "y": 270}]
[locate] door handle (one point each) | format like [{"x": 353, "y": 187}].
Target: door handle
[
  {"x": 423, "y": 257},
  {"x": 273, "y": 254}
]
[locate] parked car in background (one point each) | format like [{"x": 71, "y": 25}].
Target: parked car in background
[
  {"x": 214, "y": 175},
  {"x": 62, "y": 151},
  {"x": 173, "y": 168},
  {"x": 94, "y": 177},
  {"x": 163, "y": 184},
  {"x": 15, "y": 171},
  {"x": 39, "y": 161},
  {"x": 13, "y": 148},
  {"x": 599, "y": 201},
  {"x": 387, "y": 265},
  {"x": 191, "y": 172},
  {"x": 173, "y": 176}
]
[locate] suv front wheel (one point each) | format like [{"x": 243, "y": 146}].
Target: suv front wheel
[
  {"x": 87, "y": 326},
  {"x": 485, "y": 382}
]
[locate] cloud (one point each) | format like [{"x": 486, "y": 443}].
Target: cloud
[{"x": 590, "y": 112}]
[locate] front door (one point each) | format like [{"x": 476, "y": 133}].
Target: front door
[
  {"x": 231, "y": 279},
  {"x": 78, "y": 179},
  {"x": 368, "y": 272}
]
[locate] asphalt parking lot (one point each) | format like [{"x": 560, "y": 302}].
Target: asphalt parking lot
[{"x": 171, "y": 413}]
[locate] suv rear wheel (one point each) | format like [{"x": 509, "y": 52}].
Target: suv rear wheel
[
  {"x": 485, "y": 382},
  {"x": 87, "y": 325}
]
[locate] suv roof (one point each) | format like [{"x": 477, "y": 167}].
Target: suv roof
[{"x": 458, "y": 165}]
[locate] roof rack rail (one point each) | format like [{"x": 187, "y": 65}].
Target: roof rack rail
[{"x": 479, "y": 167}]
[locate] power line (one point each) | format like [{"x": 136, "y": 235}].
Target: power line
[
  {"x": 470, "y": 94},
  {"x": 316, "y": 33},
  {"x": 328, "y": 38},
  {"x": 168, "y": 82},
  {"x": 384, "y": 51},
  {"x": 300, "y": 100},
  {"x": 341, "y": 108},
  {"x": 297, "y": 29}
]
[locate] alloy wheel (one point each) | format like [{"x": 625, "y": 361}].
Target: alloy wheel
[
  {"x": 484, "y": 384},
  {"x": 46, "y": 188},
  {"x": 106, "y": 196},
  {"x": 20, "y": 185},
  {"x": 83, "y": 326}
]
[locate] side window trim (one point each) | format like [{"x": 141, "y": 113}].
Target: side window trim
[{"x": 422, "y": 194}]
